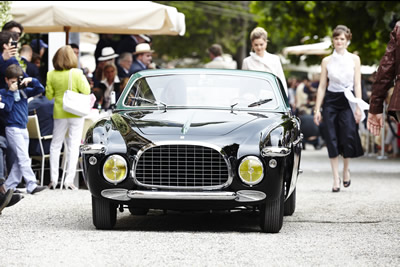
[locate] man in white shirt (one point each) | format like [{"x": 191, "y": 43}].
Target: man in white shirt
[{"x": 217, "y": 60}]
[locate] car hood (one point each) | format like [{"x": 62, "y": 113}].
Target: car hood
[{"x": 193, "y": 122}]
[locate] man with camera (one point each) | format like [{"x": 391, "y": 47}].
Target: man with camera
[
  {"x": 15, "y": 98},
  {"x": 13, "y": 26},
  {"x": 8, "y": 49}
]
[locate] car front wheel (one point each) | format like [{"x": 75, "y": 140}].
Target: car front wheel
[
  {"x": 271, "y": 215},
  {"x": 104, "y": 213}
]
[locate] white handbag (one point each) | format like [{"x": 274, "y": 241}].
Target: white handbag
[{"x": 76, "y": 103}]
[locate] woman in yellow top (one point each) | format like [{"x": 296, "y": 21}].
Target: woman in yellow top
[{"x": 64, "y": 62}]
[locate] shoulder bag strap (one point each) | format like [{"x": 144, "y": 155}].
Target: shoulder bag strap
[{"x": 70, "y": 80}]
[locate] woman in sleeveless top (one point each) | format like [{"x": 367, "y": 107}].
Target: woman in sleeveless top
[{"x": 342, "y": 106}]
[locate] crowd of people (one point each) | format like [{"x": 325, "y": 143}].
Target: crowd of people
[
  {"x": 331, "y": 107},
  {"x": 26, "y": 88}
]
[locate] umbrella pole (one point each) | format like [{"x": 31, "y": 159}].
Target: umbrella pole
[{"x": 67, "y": 29}]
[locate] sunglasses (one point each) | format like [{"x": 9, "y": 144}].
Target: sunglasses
[{"x": 19, "y": 34}]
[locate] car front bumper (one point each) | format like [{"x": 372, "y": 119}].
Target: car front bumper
[{"x": 239, "y": 196}]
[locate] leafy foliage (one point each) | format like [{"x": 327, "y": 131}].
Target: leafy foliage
[
  {"x": 289, "y": 22},
  {"x": 207, "y": 22},
  {"x": 5, "y": 16}
]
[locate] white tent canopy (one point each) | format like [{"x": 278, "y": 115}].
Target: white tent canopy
[
  {"x": 322, "y": 48},
  {"x": 118, "y": 17}
]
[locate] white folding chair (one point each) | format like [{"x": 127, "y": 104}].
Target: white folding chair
[{"x": 34, "y": 133}]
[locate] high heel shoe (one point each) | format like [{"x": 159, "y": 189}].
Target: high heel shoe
[
  {"x": 336, "y": 189},
  {"x": 70, "y": 187},
  {"x": 347, "y": 183},
  {"x": 52, "y": 185}
]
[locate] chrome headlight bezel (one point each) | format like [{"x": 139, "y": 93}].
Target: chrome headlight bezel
[
  {"x": 115, "y": 158},
  {"x": 251, "y": 160}
]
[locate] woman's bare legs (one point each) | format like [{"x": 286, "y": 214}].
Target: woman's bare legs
[
  {"x": 335, "y": 171},
  {"x": 346, "y": 171}
]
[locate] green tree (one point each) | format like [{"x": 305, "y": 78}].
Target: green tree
[
  {"x": 288, "y": 22},
  {"x": 208, "y": 22},
  {"x": 5, "y": 16}
]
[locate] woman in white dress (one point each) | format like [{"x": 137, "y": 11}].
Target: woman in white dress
[
  {"x": 260, "y": 59},
  {"x": 343, "y": 107}
]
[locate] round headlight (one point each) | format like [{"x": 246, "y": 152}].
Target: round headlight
[
  {"x": 115, "y": 169},
  {"x": 251, "y": 170}
]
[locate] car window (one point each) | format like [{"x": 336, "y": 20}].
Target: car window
[
  {"x": 203, "y": 91},
  {"x": 140, "y": 89}
]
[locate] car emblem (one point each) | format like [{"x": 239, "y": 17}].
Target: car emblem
[{"x": 187, "y": 124}]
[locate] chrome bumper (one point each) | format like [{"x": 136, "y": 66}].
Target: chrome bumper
[
  {"x": 93, "y": 149},
  {"x": 273, "y": 151},
  {"x": 126, "y": 195}
]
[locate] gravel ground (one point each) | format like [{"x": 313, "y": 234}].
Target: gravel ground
[{"x": 360, "y": 226}]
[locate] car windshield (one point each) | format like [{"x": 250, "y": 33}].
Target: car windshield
[{"x": 203, "y": 90}]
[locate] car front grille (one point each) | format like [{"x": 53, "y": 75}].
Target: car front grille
[{"x": 182, "y": 166}]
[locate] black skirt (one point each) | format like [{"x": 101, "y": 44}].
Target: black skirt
[{"x": 340, "y": 130}]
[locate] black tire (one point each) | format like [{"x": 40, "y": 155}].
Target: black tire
[
  {"x": 290, "y": 204},
  {"x": 138, "y": 211},
  {"x": 271, "y": 215},
  {"x": 104, "y": 213}
]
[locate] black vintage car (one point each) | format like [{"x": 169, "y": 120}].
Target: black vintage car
[{"x": 195, "y": 139}]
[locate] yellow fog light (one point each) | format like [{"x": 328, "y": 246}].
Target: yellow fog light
[
  {"x": 115, "y": 169},
  {"x": 251, "y": 170}
]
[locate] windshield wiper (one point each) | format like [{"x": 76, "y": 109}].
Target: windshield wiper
[
  {"x": 233, "y": 106},
  {"x": 141, "y": 99},
  {"x": 260, "y": 102}
]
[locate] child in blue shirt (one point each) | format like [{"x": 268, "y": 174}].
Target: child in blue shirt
[{"x": 16, "y": 118}]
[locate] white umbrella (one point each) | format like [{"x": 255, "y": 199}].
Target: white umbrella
[{"x": 118, "y": 17}]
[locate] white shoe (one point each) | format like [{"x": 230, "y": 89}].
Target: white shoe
[
  {"x": 52, "y": 185},
  {"x": 70, "y": 186}
]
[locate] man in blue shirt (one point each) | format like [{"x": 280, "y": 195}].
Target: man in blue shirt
[
  {"x": 8, "y": 51},
  {"x": 143, "y": 58}
]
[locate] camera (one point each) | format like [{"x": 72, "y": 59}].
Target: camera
[
  {"x": 20, "y": 86},
  {"x": 14, "y": 43}
]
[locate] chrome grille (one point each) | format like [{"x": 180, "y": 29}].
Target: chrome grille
[{"x": 182, "y": 166}]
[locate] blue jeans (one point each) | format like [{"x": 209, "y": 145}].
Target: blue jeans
[{"x": 18, "y": 141}]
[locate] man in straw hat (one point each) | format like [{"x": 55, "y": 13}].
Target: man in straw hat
[{"x": 143, "y": 58}]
